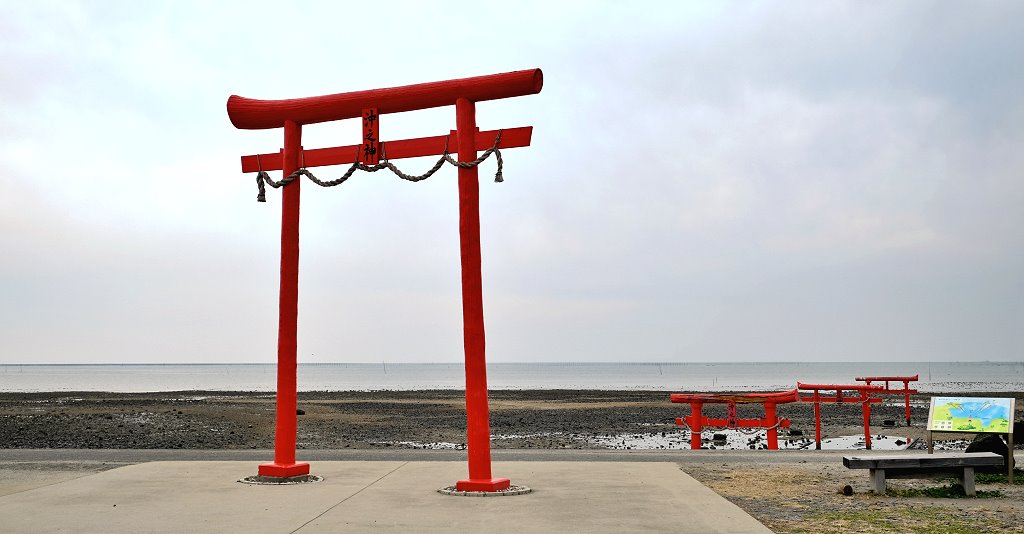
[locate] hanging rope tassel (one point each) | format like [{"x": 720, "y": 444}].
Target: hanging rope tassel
[
  {"x": 497, "y": 155},
  {"x": 263, "y": 178}
]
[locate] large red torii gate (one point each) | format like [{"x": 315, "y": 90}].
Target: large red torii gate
[{"x": 292, "y": 114}]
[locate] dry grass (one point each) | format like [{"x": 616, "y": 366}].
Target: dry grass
[{"x": 804, "y": 498}]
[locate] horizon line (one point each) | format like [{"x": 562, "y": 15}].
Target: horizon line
[{"x": 567, "y": 362}]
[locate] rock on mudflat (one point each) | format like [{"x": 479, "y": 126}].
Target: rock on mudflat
[{"x": 990, "y": 443}]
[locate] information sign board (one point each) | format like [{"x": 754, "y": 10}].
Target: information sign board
[{"x": 971, "y": 414}]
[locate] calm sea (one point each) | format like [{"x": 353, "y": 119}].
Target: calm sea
[{"x": 937, "y": 377}]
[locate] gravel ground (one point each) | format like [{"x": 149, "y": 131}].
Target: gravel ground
[{"x": 803, "y": 497}]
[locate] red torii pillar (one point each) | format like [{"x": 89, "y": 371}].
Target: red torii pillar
[
  {"x": 864, "y": 398},
  {"x": 906, "y": 391},
  {"x": 291, "y": 115}
]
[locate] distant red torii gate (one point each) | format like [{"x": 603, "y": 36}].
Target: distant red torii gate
[
  {"x": 250, "y": 114},
  {"x": 697, "y": 420},
  {"x": 907, "y": 391},
  {"x": 864, "y": 397}
]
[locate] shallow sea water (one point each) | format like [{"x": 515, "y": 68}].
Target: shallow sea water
[
  {"x": 680, "y": 440},
  {"x": 934, "y": 377}
]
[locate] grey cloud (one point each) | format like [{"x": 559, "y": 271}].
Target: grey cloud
[{"x": 706, "y": 181}]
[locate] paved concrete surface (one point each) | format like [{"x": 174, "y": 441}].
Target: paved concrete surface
[
  {"x": 356, "y": 496},
  {"x": 16, "y": 477}
]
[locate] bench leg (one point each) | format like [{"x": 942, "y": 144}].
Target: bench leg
[
  {"x": 967, "y": 481},
  {"x": 877, "y": 477}
]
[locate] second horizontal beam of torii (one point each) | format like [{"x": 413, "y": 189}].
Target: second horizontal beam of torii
[{"x": 405, "y": 148}]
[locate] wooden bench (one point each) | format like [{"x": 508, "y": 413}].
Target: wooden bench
[{"x": 961, "y": 464}]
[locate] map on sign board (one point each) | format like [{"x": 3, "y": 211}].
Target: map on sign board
[{"x": 971, "y": 414}]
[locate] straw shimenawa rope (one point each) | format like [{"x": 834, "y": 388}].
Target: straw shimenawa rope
[{"x": 262, "y": 177}]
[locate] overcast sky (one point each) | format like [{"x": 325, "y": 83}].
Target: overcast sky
[{"x": 708, "y": 181}]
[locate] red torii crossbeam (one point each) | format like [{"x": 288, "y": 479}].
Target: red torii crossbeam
[
  {"x": 863, "y": 397},
  {"x": 246, "y": 113},
  {"x": 697, "y": 420},
  {"x": 906, "y": 391}
]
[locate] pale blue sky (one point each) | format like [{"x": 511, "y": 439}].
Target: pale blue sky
[{"x": 708, "y": 181}]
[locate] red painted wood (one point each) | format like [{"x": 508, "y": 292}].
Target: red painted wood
[
  {"x": 839, "y": 387},
  {"x": 839, "y": 400},
  {"x": 697, "y": 421},
  {"x": 696, "y": 424},
  {"x": 741, "y": 423},
  {"x": 906, "y": 391},
  {"x": 866, "y": 408},
  {"x": 253, "y": 114},
  {"x": 284, "y": 464},
  {"x": 906, "y": 402},
  {"x": 864, "y": 397},
  {"x": 478, "y": 428},
  {"x": 406, "y": 148},
  {"x": 773, "y": 431},
  {"x": 370, "y": 153},
  {"x": 870, "y": 379},
  {"x": 717, "y": 398},
  {"x": 817, "y": 421}
]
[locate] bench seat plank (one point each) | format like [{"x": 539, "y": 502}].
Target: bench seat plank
[{"x": 975, "y": 459}]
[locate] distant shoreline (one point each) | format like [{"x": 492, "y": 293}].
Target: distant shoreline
[
  {"x": 922, "y": 395},
  {"x": 933, "y": 377}
]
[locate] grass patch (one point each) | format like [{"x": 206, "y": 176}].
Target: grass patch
[
  {"x": 990, "y": 478},
  {"x": 952, "y": 491}
]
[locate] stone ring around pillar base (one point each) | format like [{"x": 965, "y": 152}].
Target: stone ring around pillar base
[
  {"x": 281, "y": 481},
  {"x": 512, "y": 490}
]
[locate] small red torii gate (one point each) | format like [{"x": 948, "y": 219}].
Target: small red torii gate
[
  {"x": 697, "y": 420},
  {"x": 863, "y": 397},
  {"x": 292, "y": 114},
  {"x": 906, "y": 391}
]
